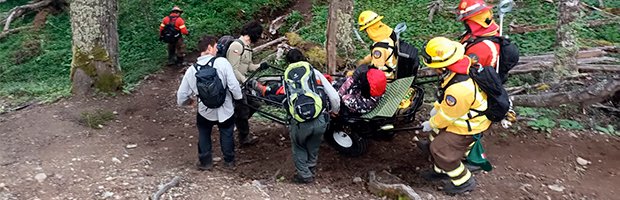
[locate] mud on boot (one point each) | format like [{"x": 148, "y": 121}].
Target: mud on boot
[{"x": 451, "y": 189}]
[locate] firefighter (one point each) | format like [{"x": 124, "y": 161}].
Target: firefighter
[
  {"x": 477, "y": 17},
  {"x": 173, "y": 35},
  {"x": 383, "y": 53},
  {"x": 455, "y": 123}
]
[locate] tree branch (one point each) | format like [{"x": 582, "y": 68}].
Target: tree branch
[
  {"x": 162, "y": 189},
  {"x": 272, "y": 42},
  {"x": 6, "y": 33},
  {"x": 18, "y": 11}
]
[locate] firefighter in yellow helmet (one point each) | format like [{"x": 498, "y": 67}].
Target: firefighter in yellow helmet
[
  {"x": 455, "y": 123},
  {"x": 383, "y": 53}
]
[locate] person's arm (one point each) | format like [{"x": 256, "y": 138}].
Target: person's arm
[
  {"x": 181, "y": 24},
  {"x": 163, "y": 24},
  {"x": 185, "y": 91},
  {"x": 231, "y": 80},
  {"x": 253, "y": 67},
  {"x": 456, "y": 103},
  {"x": 365, "y": 60},
  {"x": 234, "y": 57},
  {"x": 332, "y": 94}
]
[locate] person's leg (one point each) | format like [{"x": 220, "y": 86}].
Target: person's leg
[
  {"x": 204, "y": 140},
  {"x": 227, "y": 141},
  {"x": 299, "y": 133},
  {"x": 314, "y": 141},
  {"x": 447, "y": 149},
  {"x": 180, "y": 51},
  {"x": 171, "y": 53},
  {"x": 242, "y": 115}
]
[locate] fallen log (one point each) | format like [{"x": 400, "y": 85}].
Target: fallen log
[
  {"x": 581, "y": 97},
  {"x": 6, "y": 33},
  {"x": 588, "y": 53},
  {"x": 540, "y": 66},
  {"x": 162, "y": 189},
  {"x": 272, "y": 42},
  {"x": 394, "y": 191},
  {"x": 519, "y": 29}
]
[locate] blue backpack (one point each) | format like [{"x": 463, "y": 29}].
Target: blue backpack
[{"x": 211, "y": 91}]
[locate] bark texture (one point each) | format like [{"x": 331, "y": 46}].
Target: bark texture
[
  {"x": 95, "y": 65},
  {"x": 339, "y": 32},
  {"x": 567, "y": 48}
]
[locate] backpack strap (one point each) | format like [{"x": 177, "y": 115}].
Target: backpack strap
[
  {"x": 385, "y": 45},
  {"x": 243, "y": 46},
  {"x": 172, "y": 20}
]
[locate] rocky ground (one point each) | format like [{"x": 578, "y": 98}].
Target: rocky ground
[{"x": 47, "y": 153}]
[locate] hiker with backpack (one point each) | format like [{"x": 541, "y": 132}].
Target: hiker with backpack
[
  {"x": 212, "y": 79},
  {"x": 170, "y": 31},
  {"x": 395, "y": 57},
  {"x": 469, "y": 98},
  {"x": 310, "y": 99},
  {"x": 239, "y": 54}
]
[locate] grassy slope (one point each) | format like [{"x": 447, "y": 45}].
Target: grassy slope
[{"x": 46, "y": 76}]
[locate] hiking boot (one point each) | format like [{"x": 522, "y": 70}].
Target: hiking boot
[
  {"x": 424, "y": 146},
  {"x": 247, "y": 141},
  {"x": 431, "y": 175},
  {"x": 301, "y": 180},
  {"x": 229, "y": 165},
  {"x": 171, "y": 61},
  {"x": 202, "y": 167},
  {"x": 451, "y": 189}
]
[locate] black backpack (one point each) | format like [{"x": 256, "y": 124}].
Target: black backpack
[
  {"x": 408, "y": 60},
  {"x": 487, "y": 79},
  {"x": 223, "y": 44},
  {"x": 211, "y": 91},
  {"x": 170, "y": 34},
  {"x": 508, "y": 53}
]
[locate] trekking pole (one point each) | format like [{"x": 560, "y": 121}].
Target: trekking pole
[{"x": 505, "y": 6}]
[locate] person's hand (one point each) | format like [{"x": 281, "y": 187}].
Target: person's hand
[
  {"x": 191, "y": 102},
  {"x": 264, "y": 66},
  {"x": 333, "y": 114},
  {"x": 506, "y": 123},
  {"x": 426, "y": 126}
]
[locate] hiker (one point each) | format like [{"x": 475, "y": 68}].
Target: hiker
[
  {"x": 239, "y": 54},
  {"x": 455, "y": 123},
  {"x": 170, "y": 31},
  {"x": 215, "y": 104},
  {"x": 361, "y": 91},
  {"x": 310, "y": 97}
]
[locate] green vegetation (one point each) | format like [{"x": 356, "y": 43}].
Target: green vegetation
[
  {"x": 96, "y": 119},
  {"x": 35, "y": 66}
]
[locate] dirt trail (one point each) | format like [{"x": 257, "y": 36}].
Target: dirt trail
[{"x": 84, "y": 163}]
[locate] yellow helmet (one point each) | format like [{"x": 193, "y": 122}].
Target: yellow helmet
[
  {"x": 441, "y": 52},
  {"x": 368, "y": 18}
]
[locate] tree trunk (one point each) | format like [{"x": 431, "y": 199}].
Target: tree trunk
[
  {"x": 95, "y": 65},
  {"x": 339, "y": 32},
  {"x": 567, "y": 49}
]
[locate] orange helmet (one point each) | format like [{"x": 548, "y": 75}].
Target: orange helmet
[
  {"x": 469, "y": 8},
  {"x": 176, "y": 9}
]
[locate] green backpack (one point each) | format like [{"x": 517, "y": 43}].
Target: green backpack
[{"x": 304, "y": 95}]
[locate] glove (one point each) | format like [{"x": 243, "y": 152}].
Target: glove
[
  {"x": 511, "y": 116},
  {"x": 426, "y": 126},
  {"x": 264, "y": 66},
  {"x": 506, "y": 124},
  {"x": 433, "y": 112}
]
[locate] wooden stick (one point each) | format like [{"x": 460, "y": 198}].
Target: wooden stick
[
  {"x": 379, "y": 187},
  {"x": 272, "y": 42},
  {"x": 8, "y": 20},
  {"x": 166, "y": 187}
]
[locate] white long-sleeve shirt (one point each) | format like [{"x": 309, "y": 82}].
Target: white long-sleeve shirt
[
  {"x": 332, "y": 94},
  {"x": 187, "y": 89}
]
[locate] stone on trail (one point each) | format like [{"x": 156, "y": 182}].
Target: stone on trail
[
  {"x": 583, "y": 162},
  {"x": 40, "y": 177},
  {"x": 357, "y": 180},
  {"x": 556, "y": 187}
]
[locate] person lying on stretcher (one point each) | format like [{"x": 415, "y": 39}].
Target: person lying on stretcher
[
  {"x": 361, "y": 91},
  {"x": 274, "y": 90}
]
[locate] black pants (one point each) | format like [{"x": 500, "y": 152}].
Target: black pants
[
  {"x": 227, "y": 142},
  {"x": 242, "y": 116}
]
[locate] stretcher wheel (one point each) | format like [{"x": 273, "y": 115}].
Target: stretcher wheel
[{"x": 346, "y": 142}]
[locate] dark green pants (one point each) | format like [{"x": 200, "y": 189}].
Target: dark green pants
[{"x": 306, "y": 140}]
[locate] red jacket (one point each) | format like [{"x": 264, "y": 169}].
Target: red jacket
[
  {"x": 179, "y": 23},
  {"x": 485, "y": 52}
]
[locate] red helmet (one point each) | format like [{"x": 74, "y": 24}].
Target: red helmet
[
  {"x": 176, "y": 9},
  {"x": 377, "y": 81},
  {"x": 469, "y": 8}
]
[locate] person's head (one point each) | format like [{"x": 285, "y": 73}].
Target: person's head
[
  {"x": 176, "y": 10},
  {"x": 367, "y": 19},
  {"x": 441, "y": 52},
  {"x": 253, "y": 30},
  {"x": 294, "y": 55},
  {"x": 475, "y": 10},
  {"x": 207, "y": 45}
]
